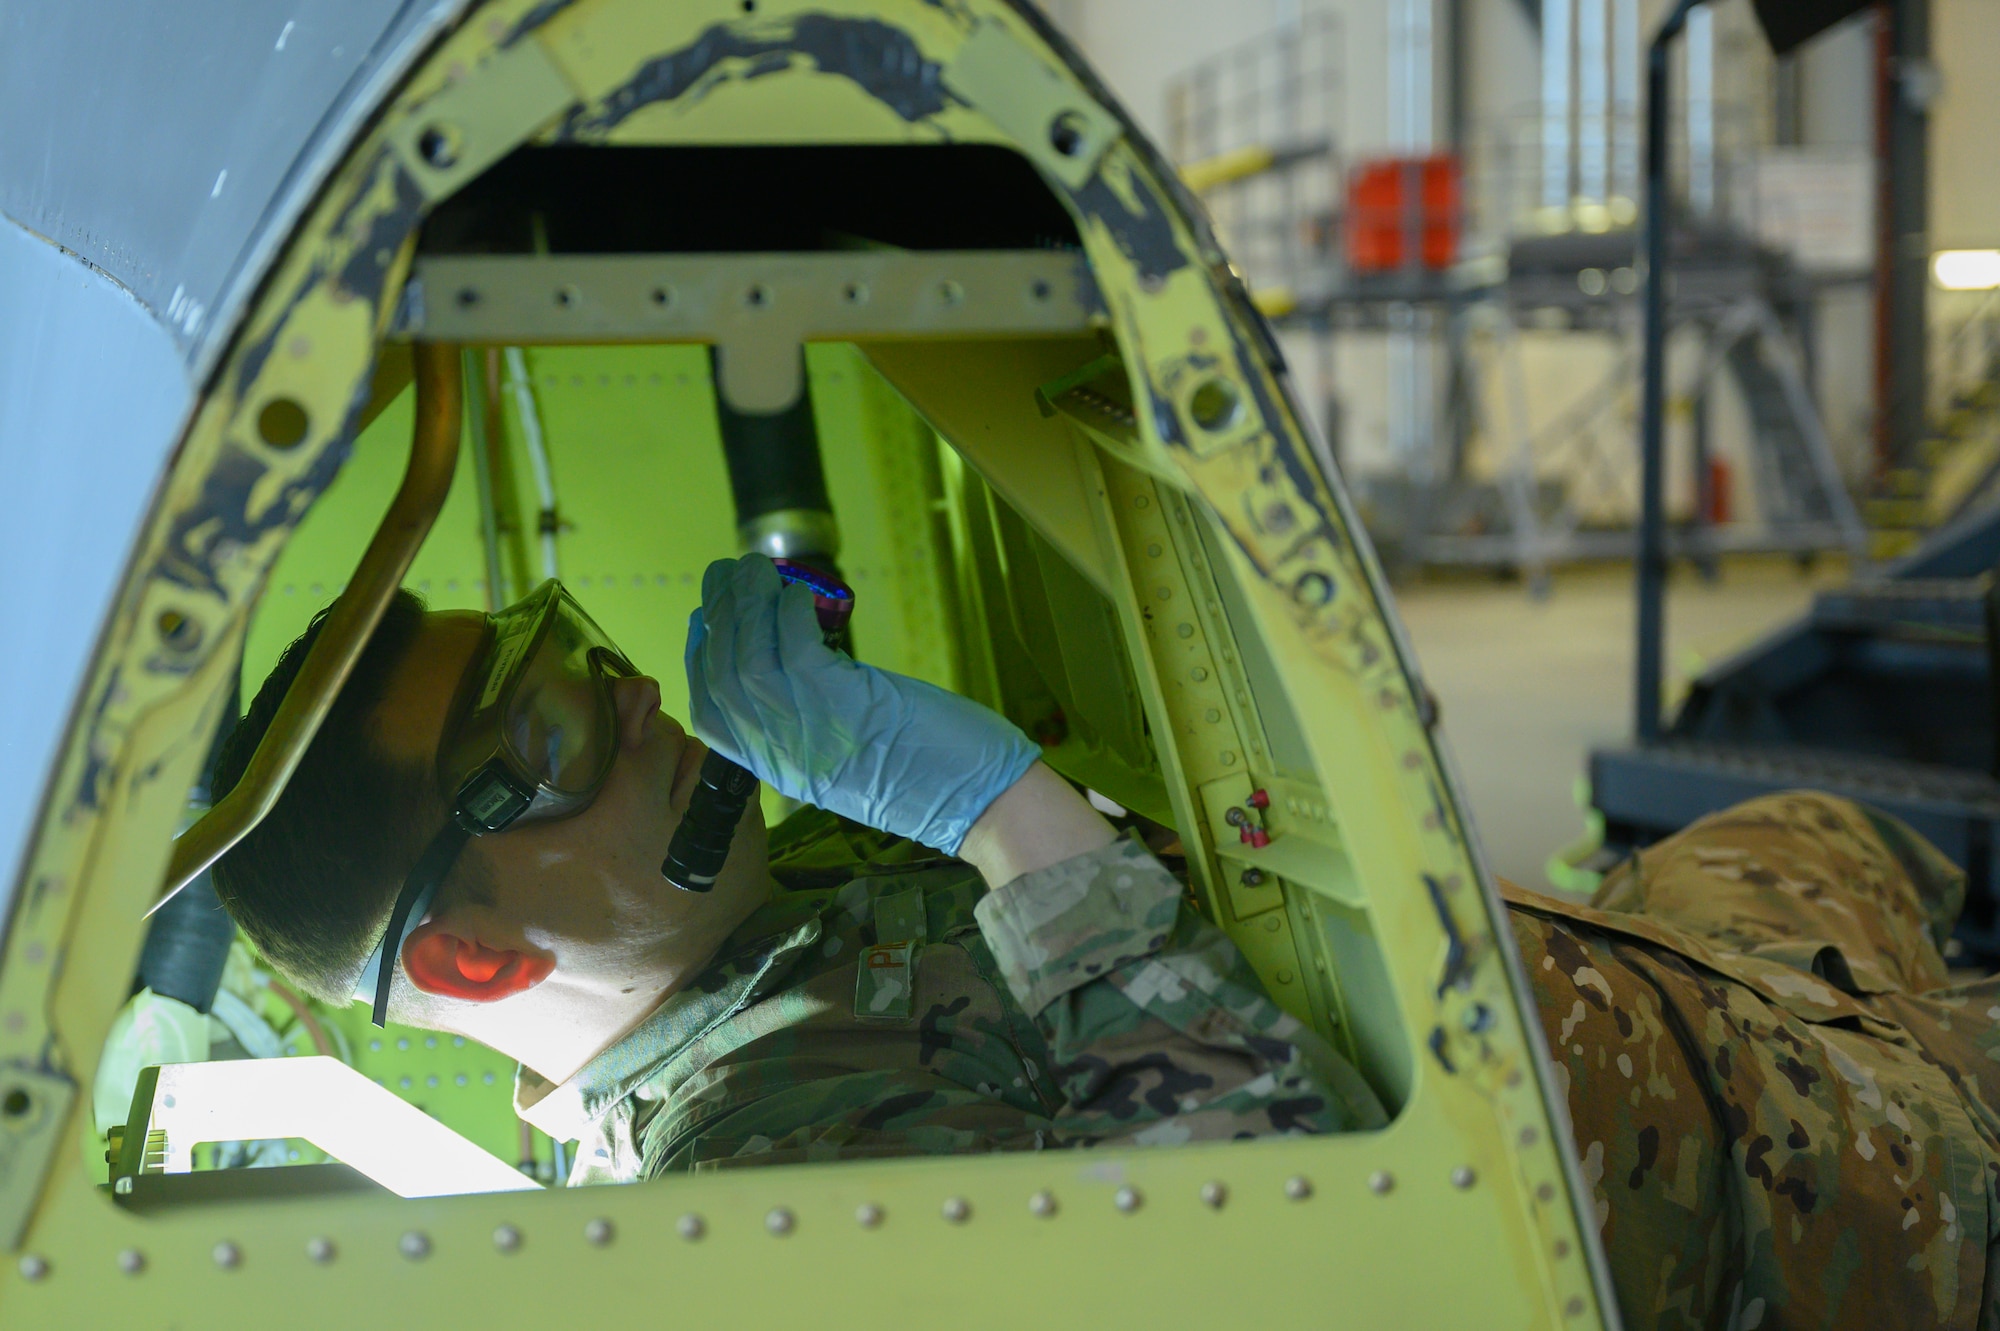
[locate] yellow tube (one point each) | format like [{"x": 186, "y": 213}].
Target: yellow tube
[{"x": 433, "y": 456}]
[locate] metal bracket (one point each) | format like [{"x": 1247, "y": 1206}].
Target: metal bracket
[
  {"x": 34, "y": 1106},
  {"x": 475, "y": 122},
  {"x": 1061, "y": 129},
  {"x": 1304, "y": 847},
  {"x": 757, "y": 308}
]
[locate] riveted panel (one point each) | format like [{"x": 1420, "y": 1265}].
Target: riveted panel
[{"x": 1469, "y": 1194}]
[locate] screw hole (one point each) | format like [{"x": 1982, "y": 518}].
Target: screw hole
[
  {"x": 177, "y": 630},
  {"x": 855, "y": 293},
  {"x": 16, "y": 1103},
  {"x": 1215, "y": 405},
  {"x": 282, "y": 423},
  {"x": 951, "y": 293},
  {"x": 749, "y": 6},
  {"x": 758, "y": 296},
  {"x": 663, "y": 296},
  {"x": 1313, "y": 589},
  {"x": 568, "y": 297},
  {"x": 1066, "y": 133},
  {"x": 438, "y": 145},
  {"x": 1040, "y": 289},
  {"x": 467, "y": 298}
]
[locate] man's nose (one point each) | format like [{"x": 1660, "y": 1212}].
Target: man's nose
[{"x": 637, "y": 700}]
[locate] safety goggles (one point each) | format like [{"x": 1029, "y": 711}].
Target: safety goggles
[{"x": 531, "y": 736}]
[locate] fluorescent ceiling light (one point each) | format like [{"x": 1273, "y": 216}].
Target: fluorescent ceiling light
[
  {"x": 330, "y": 1105},
  {"x": 1966, "y": 270}
]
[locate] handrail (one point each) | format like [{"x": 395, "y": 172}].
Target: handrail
[{"x": 433, "y": 456}]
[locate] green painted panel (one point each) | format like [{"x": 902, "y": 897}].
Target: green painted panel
[
  {"x": 643, "y": 498},
  {"x": 641, "y": 489},
  {"x": 882, "y": 475}
]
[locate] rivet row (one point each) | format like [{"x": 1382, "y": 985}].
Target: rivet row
[{"x": 416, "y": 1245}]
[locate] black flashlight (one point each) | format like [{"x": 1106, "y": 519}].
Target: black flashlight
[{"x": 701, "y": 842}]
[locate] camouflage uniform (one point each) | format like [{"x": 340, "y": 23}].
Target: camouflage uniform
[
  {"x": 1785, "y": 1117},
  {"x": 886, "y": 1003},
  {"x": 1786, "y": 1114}
]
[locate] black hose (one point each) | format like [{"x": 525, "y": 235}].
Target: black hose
[
  {"x": 773, "y": 457},
  {"x": 187, "y": 943},
  {"x": 187, "y": 946}
]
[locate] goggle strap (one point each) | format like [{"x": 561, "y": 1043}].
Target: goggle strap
[{"x": 431, "y": 867}]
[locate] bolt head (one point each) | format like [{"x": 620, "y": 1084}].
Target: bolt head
[
  {"x": 692, "y": 1227},
  {"x": 957, "y": 1210},
  {"x": 131, "y": 1261},
  {"x": 1043, "y": 1204},
  {"x": 1252, "y": 877},
  {"x": 1127, "y": 1199},
  {"x": 415, "y": 1245},
  {"x": 1463, "y": 1177},
  {"x": 1235, "y": 817},
  {"x": 1067, "y": 132},
  {"x": 868, "y": 1215},
  {"x": 439, "y": 145},
  {"x": 507, "y": 1238},
  {"x": 34, "y": 1266},
  {"x": 320, "y": 1249},
  {"x": 1214, "y": 1194},
  {"x": 780, "y": 1221},
  {"x": 1381, "y": 1182},
  {"x": 1298, "y": 1187},
  {"x": 122, "y": 1186},
  {"x": 598, "y": 1231},
  {"x": 227, "y": 1255}
]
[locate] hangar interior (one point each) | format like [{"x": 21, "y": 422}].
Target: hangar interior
[{"x": 1326, "y": 435}]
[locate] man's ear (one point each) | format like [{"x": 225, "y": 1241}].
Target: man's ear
[{"x": 439, "y": 961}]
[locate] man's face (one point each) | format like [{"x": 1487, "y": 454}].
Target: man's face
[{"x": 584, "y": 891}]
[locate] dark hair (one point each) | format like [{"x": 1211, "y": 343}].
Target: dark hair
[{"x": 314, "y": 882}]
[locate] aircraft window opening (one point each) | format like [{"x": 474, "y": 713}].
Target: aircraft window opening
[
  {"x": 699, "y": 200},
  {"x": 995, "y": 314},
  {"x": 610, "y": 346},
  {"x": 1038, "y": 622}
]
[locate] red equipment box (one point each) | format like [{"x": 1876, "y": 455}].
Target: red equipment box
[{"x": 1396, "y": 205}]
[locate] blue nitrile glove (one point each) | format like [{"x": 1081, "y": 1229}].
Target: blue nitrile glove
[{"x": 885, "y": 750}]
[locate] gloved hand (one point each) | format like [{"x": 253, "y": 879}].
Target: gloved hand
[{"x": 885, "y": 750}]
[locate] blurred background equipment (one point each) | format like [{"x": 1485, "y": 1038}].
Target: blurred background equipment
[
  {"x": 1444, "y": 249},
  {"x": 1442, "y": 208}
]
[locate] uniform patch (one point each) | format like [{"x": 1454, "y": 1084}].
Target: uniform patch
[
  {"x": 900, "y": 917},
  {"x": 885, "y": 983}
]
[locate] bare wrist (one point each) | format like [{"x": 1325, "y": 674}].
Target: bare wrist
[{"x": 1038, "y": 821}]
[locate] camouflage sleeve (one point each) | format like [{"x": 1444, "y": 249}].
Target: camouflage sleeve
[{"x": 1160, "y": 1032}]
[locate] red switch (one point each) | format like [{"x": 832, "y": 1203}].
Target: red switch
[
  {"x": 1259, "y": 799},
  {"x": 1257, "y": 837}
]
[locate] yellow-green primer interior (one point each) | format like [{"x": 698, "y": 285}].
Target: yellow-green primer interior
[
  {"x": 955, "y": 587},
  {"x": 1176, "y": 576}
]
